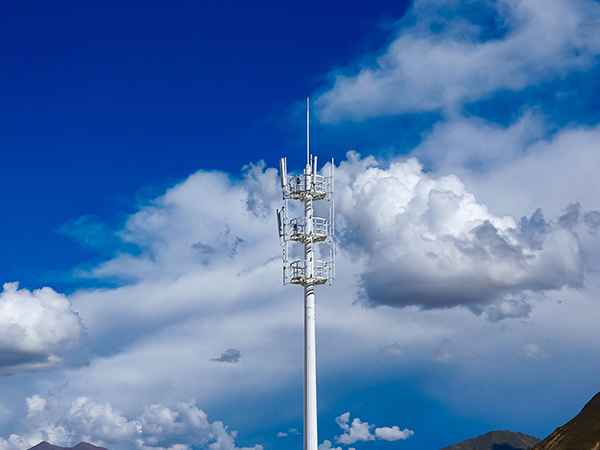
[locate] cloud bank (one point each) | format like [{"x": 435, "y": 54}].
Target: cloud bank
[
  {"x": 157, "y": 428},
  {"x": 448, "y": 53},
  {"x": 207, "y": 278}
]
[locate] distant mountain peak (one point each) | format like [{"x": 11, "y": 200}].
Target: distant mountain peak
[
  {"x": 87, "y": 446},
  {"x": 497, "y": 440},
  {"x": 81, "y": 446}
]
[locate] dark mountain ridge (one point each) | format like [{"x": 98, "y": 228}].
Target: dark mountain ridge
[
  {"x": 497, "y": 440},
  {"x": 81, "y": 446},
  {"x": 580, "y": 433}
]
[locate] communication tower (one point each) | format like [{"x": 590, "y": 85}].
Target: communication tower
[{"x": 308, "y": 272}]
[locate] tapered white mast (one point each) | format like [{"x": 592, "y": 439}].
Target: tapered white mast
[{"x": 307, "y": 187}]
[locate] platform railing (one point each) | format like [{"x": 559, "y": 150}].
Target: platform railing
[
  {"x": 297, "y": 187},
  {"x": 298, "y": 230},
  {"x": 295, "y": 272}
]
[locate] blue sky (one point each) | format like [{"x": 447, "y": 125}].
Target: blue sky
[
  {"x": 100, "y": 103},
  {"x": 140, "y": 145}
]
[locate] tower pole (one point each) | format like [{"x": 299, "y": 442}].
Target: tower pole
[
  {"x": 310, "y": 355},
  {"x": 307, "y": 187}
]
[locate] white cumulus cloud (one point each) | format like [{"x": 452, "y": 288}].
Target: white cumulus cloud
[
  {"x": 393, "y": 434},
  {"x": 428, "y": 242},
  {"x": 327, "y": 445},
  {"x": 353, "y": 432},
  {"x": 35, "y": 405},
  {"x": 359, "y": 431},
  {"x": 36, "y": 328},
  {"x": 14, "y": 442}
]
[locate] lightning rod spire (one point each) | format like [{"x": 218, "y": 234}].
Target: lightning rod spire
[{"x": 307, "y": 133}]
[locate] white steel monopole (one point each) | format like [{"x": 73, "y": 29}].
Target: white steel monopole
[{"x": 308, "y": 271}]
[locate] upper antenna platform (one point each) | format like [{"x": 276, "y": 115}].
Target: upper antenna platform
[{"x": 307, "y": 187}]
